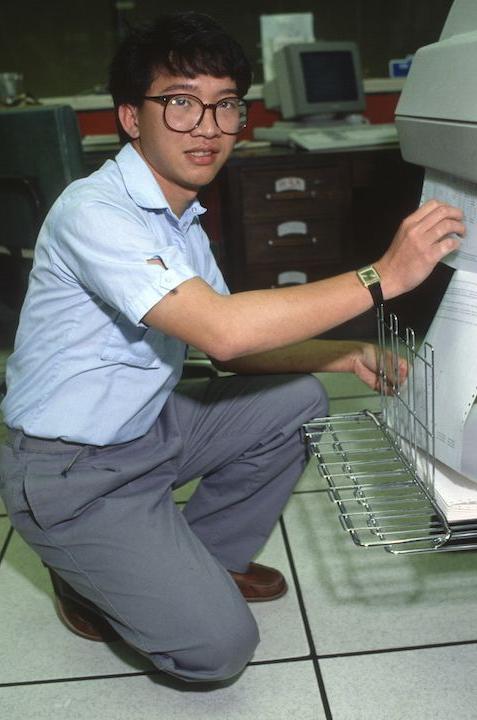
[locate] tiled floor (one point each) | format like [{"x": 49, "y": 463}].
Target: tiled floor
[{"x": 361, "y": 634}]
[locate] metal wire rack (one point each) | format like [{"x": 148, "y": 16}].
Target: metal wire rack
[{"x": 378, "y": 468}]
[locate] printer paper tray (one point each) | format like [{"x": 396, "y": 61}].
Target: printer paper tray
[{"x": 381, "y": 500}]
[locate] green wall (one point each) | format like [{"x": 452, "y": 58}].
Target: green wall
[{"x": 64, "y": 47}]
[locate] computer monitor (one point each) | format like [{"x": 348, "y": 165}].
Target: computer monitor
[{"x": 316, "y": 79}]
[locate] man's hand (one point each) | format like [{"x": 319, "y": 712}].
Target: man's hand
[
  {"x": 423, "y": 239},
  {"x": 366, "y": 365}
]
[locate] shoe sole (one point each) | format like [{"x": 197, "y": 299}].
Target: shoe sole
[{"x": 278, "y": 595}]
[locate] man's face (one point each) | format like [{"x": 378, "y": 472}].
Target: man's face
[{"x": 182, "y": 163}]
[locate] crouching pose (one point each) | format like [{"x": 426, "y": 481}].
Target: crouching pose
[{"x": 99, "y": 429}]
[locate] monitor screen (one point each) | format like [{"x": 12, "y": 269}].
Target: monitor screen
[
  {"x": 318, "y": 78},
  {"x": 329, "y": 76}
]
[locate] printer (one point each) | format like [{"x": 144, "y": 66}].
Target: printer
[{"x": 436, "y": 116}]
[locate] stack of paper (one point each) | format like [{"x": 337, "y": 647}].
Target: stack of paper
[{"x": 455, "y": 494}]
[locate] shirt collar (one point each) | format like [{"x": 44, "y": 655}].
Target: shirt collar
[{"x": 144, "y": 189}]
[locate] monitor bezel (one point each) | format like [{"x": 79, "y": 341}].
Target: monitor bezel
[{"x": 291, "y": 82}]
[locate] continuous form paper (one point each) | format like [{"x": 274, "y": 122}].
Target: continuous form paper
[
  {"x": 462, "y": 194},
  {"x": 453, "y": 335}
]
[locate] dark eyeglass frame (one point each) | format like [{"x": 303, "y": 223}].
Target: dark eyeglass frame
[{"x": 164, "y": 100}]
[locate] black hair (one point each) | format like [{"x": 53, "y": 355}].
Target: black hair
[{"x": 183, "y": 43}]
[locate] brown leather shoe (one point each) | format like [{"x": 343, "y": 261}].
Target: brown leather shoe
[
  {"x": 79, "y": 614},
  {"x": 260, "y": 583}
]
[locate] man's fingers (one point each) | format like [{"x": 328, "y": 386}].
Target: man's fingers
[
  {"x": 441, "y": 221},
  {"x": 434, "y": 211},
  {"x": 446, "y": 246},
  {"x": 441, "y": 226}
]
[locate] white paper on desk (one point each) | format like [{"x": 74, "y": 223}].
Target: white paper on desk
[
  {"x": 461, "y": 194},
  {"x": 279, "y": 30},
  {"x": 453, "y": 335}
]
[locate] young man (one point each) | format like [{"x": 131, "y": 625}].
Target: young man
[{"x": 99, "y": 434}]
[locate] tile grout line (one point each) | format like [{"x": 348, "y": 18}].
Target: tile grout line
[
  {"x": 308, "y": 633},
  {"x": 146, "y": 673},
  {"x": 389, "y": 651},
  {"x": 256, "y": 663},
  {"x": 280, "y": 661},
  {"x": 80, "y": 678}
]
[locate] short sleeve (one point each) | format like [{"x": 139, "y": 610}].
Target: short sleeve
[{"x": 106, "y": 248}]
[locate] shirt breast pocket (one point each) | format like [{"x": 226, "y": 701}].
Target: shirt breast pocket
[{"x": 133, "y": 345}]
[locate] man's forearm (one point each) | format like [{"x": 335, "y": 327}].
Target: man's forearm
[{"x": 309, "y": 356}]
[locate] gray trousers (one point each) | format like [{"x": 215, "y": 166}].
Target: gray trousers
[{"x": 104, "y": 517}]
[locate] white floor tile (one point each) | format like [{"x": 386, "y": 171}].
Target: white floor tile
[
  {"x": 268, "y": 692},
  {"x": 430, "y": 684},
  {"x": 281, "y": 628},
  {"x": 361, "y": 599}
]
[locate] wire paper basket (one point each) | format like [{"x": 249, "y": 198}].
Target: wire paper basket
[{"x": 378, "y": 468}]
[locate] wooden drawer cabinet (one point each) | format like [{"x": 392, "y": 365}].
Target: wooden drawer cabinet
[{"x": 285, "y": 218}]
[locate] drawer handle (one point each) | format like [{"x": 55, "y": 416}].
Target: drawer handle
[
  {"x": 292, "y": 241},
  {"x": 291, "y": 277},
  {"x": 308, "y": 194},
  {"x": 292, "y": 227}
]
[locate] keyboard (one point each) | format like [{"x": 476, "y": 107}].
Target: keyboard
[
  {"x": 344, "y": 136},
  {"x": 91, "y": 143}
]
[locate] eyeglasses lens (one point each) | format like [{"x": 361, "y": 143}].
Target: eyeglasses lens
[{"x": 184, "y": 112}]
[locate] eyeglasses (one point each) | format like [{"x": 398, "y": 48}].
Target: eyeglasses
[{"x": 183, "y": 113}]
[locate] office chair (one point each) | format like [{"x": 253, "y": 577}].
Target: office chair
[{"x": 40, "y": 151}]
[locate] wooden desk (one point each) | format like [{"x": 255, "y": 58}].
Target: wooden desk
[{"x": 293, "y": 216}]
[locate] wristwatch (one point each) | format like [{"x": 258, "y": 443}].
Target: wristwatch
[{"x": 371, "y": 279}]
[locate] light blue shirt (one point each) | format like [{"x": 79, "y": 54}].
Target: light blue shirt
[{"x": 84, "y": 367}]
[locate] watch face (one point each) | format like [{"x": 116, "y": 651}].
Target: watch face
[{"x": 369, "y": 276}]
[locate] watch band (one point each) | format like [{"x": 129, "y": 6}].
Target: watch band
[{"x": 371, "y": 279}]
